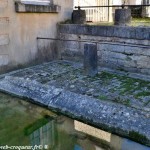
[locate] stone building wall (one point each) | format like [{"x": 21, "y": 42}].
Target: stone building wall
[
  {"x": 19, "y": 31},
  {"x": 122, "y": 48}
]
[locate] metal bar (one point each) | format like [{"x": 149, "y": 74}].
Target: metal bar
[
  {"x": 66, "y": 40},
  {"x": 78, "y": 7},
  {"x": 97, "y": 42}
]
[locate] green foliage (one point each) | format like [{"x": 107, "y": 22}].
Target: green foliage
[
  {"x": 135, "y": 22},
  {"x": 34, "y": 126}
]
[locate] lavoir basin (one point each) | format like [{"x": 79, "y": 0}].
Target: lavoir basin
[
  {"x": 24, "y": 125},
  {"x": 81, "y": 105}
]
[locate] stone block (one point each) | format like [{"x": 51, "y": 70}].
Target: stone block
[
  {"x": 99, "y": 54},
  {"x": 110, "y": 63},
  {"x": 79, "y": 16},
  {"x": 132, "y": 69},
  {"x": 32, "y": 90},
  {"x": 145, "y": 71},
  {"x": 122, "y": 17},
  {"x": 123, "y": 32},
  {"x": 127, "y": 63},
  {"x": 113, "y": 47},
  {"x": 138, "y": 33},
  {"x": 101, "y": 31},
  {"x": 72, "y": 55},
  {"x": 64, "y": 36},
  {"x": 142, "y": 33},
  {"x": 90, "y": 59},
  {"x": 114, "y": 55},
  {"x": 94, "y": 30},
  {"x": 82, "y": 44},
  {"x": 70, "y": 45},
  {"x": 142, "y": 61},
  {"x": 138, "y": 50}
]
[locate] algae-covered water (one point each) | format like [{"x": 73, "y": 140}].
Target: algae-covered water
[{"x": 26, "y": 126}]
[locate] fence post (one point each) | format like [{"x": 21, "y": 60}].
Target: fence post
[{"x": 90, "y": 59}]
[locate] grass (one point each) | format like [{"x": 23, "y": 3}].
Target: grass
[
  {"x": 141, "y": 20},
  {"x": 135, "y": 22}
]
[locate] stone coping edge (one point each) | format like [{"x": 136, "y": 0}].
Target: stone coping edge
[
  {"x": 114, "y": 118},
  {"x": 137, "y": 33}
]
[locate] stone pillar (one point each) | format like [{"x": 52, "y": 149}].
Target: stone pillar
[
  {"x": 90, "y": 59},
  {"x": 79, "y": 16},
  {"x": 122, "y": 17}
]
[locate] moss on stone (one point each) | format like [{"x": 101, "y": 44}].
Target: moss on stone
[
  {"x": 127, "y": 85},
  {"x": 143, "y": 93},
  {"x": 102, "y": 97},
  {"x": 136, "y": 136},
  {"x": 106, "y": 75}
]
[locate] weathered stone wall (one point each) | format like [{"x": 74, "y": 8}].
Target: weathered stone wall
[
  {"x": 19, "y": 31},
  {"x": 122, "y": 48}
]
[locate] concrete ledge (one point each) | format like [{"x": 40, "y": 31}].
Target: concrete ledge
[
  {"x": 111, "y": 117},
  {"x": 138, "y": 33},
  {"x": 36, "y": 8}
]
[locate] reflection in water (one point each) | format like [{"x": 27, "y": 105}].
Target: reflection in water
[
  {"x": 25, "y": 124},
  {"x": 45, "y": 135},
  {"x": 60, "y": 135}
]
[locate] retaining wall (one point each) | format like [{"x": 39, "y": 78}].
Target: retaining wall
[{"x": 122, "y": 48}]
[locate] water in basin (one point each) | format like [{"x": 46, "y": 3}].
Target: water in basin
[{"x": 29, "y": 126}]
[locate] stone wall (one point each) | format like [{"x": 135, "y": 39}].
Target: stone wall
[
  {"x": 121, "y": 48},
  {"x": 20, "y": 25}
]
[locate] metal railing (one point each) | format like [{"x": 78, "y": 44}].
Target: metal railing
[
  {"x": 91, "y": 42},
  {"x": 106, "y": 13}
]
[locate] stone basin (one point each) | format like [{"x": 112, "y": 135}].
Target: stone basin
[{"x": 112, "y": 102}]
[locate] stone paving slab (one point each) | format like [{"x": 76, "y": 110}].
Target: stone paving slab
[
  {"x": 29, "y": 90},
  {"x": 105, "y": 86},
  {"x": 115, "y": 103},
  {"x": 113, "y": 118}
]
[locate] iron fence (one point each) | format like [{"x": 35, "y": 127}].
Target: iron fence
[{"x": 104, "y": 14}]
